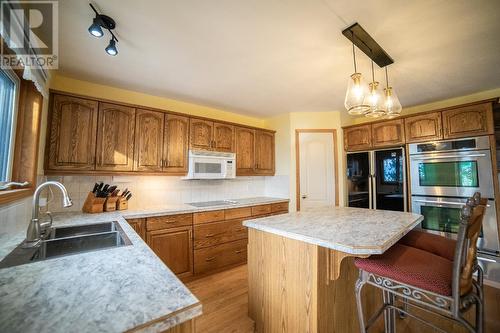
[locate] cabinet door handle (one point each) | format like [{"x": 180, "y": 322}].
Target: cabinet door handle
[
  {"x": 210, "y": 259},
  {"x": 209, "y": 235},
  {"x": 238, "y": 251}
]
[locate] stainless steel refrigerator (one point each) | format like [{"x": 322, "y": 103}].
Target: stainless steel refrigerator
[{"x": 377, "y": 179}]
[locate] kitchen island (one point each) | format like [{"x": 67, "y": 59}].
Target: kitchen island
[{"x": 300, "y": 265}]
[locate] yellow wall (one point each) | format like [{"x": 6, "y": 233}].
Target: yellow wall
[
  {"x": 71, "y": 85},
  {"x": 493, "y": 93},
  {"x": 285, "y": 126}
]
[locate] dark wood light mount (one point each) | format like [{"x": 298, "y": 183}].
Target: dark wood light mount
[{"x": 356, "y": 34}]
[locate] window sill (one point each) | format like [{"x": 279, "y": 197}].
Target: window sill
[{"x": 13, "y": 195}]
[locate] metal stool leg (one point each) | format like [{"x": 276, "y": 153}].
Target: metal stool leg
[
  {"x": 479, "y": 310},
  {"x": 389, "y": 313},
  {"x": 359, "y": 286}
]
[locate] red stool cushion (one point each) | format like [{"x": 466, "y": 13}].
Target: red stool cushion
[
  {"x": 411, "y": 266},
  {"x": 439, "y": 245}
]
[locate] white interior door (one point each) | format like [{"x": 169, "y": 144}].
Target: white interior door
[{"x": 317, "y": 185}]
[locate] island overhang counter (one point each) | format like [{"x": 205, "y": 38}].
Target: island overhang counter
[{"x": 301, "y": 265}]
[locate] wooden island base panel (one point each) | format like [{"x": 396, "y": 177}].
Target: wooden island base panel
[{"x": 294, "y": 287}]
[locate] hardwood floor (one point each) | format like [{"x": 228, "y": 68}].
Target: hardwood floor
[
  {"x": 224, "y": 297},
  {"x": 225, "y": 305}
]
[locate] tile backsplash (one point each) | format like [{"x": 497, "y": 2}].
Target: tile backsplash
[
  {"x": 154, "y": 191},
  {"x": 15, "y": 217}
]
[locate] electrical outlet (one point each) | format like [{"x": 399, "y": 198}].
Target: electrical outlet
[{"x": 43, "y": 202}]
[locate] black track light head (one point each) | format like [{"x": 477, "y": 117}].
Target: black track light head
[
  {"x": 111, "y": 48},
  {"x": 95, "y": 29}
]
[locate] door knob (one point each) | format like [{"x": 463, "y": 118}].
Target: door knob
[{"x": 304, "y": 196}]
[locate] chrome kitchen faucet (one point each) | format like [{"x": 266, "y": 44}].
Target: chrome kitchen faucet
[{"x": 33, "y": 234}]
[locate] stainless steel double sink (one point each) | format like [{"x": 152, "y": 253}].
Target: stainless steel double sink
[{"x": 63, "y": 241}]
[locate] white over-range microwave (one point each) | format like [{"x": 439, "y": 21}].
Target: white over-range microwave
[{"x": 211, "y": 165}]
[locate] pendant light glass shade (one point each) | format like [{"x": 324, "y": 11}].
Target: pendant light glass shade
[
  {"x": 375, "y": 100},
  {"x": 392, "y": 105},
  {"x": 391, "y": 101},
  {"x": 356, "y": 93}
]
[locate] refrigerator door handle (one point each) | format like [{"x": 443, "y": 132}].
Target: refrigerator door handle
[
  {"x": 370, "y": 195},
  {"x": 374, "y": 191}
]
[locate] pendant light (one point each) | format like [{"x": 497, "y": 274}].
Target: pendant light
[
  {"x": 374, "y": 99},
  {"x": 356, "y": 92},
  {"x": 391, "y": 101}
]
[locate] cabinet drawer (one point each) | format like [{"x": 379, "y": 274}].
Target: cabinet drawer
[
  {"x": 211, "y": 234},
  {"x": 279, "y": 207},
  {"x": 218, "y": 256},
  {"x": 170, "y": 221},
  {"x": 212, "y": 216},
  {"x": 261, "y": 210},
  {"x": 238, "y": 213}
]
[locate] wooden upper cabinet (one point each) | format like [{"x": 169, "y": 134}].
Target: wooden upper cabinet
[
  {"x": 358, "y": 138},
  {"x": 473, "y": 120},
  {"x": 201, "y": 136},
  {"x": 388, "y": 133},
  {"x": 264, "y": 153},
  {"x": 73, "y": 131},
  {"x": 148, "y": 147},
  {"x": 176, "y": 144},
  {"x": 115, "y": 137},
  {"x": 223, "y": 137},
  {"x": 424, "y": 127},
  {"x": 174, "y": 247},
  {"x": 245, "y": 150}
]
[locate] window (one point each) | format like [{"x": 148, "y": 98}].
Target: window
[{"x": 9, "y": 88}]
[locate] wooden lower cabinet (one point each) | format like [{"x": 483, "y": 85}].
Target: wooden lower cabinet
[
  {"x": 261, "y": 210},
  {"x": 211, "y": 234},
  {"x": 139, "y": 225},
  {"x": 216, "y": 257},
  {"x": 175, "y": 248},
  {"x": 279, "y": 208},
  {"x": 197, "y": 244},
  {"x": 185, "y": 327}
]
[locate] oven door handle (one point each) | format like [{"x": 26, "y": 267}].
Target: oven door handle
[
  {"x": 443, "y": 202},
  {"x": 446, "y": 156}
]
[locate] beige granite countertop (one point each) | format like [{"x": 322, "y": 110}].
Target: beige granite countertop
[
  {"x": 111, "y": 290},
  {"x": 356, "y": 231}
]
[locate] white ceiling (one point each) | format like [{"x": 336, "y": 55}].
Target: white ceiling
[{"x": 265, "y": 57}]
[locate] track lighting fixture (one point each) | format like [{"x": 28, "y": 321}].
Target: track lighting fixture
[
  {"x": 111, "y": 48},
  {"x": 103, "y": 21}
]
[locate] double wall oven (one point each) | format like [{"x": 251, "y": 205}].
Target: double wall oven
[{"x": 443, "y": 175}]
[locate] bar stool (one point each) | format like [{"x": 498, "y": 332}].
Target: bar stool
[{"x": 425, "y": 275}]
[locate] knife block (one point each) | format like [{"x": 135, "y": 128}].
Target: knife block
[
  {"x": 110, "y": 204},
  {"x": 93, "y": 204},
  {"x": 122, "y": 203}
]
